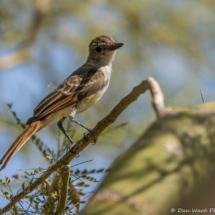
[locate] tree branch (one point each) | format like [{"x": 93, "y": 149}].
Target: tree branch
[
  {"x": 65, "y": 173},
  {"x": 157, "y": 98},
  {"x": 174, "y": 157},
  {"x": 148, "y": 84},
  {"x": 15, "y": 210},
  {"x": 49, "y": 206},
  {"x": 23, "y": 54}
]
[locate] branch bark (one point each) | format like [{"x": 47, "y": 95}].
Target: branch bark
[
  {"x": 171, "y": 166},
  {"x": 147, "y": 84},
  {"x": 65, "y": 173},
  {"x": 15, "y": 210}
]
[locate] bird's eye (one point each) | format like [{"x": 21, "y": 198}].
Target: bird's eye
[{"x": 98, "y": 49}]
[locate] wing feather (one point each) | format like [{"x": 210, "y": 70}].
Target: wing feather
[{"x": 81, "y": 84}]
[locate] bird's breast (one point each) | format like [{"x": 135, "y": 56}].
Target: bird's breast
[{"x": 91, "y": 100}]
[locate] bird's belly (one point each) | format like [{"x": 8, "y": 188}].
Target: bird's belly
[
  {"x": 89, "y": 101},
  {"x": 81, "y": 106},
  {"x": 56, "y": 116}
]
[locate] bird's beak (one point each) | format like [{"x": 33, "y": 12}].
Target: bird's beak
[{"x": 116, "y": 46}]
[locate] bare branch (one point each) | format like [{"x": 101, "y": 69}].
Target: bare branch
[
  {"x": 23, "y": 54},
  {"x": 15, "y": 58},
  {"x": 157, "y": 97},
  {"x": 15, "y": 210},
  {"x": 65, "y": 173},
  {"x": 48, "y": 184},
  {"x": 148, "y": 84}
]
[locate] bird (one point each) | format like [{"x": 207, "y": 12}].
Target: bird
[{"x": 80, "y": 91}]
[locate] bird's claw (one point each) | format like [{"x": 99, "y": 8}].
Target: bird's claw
[
  {"x": 78, "y": 155},
  {"x": 94, "y": 141},
  {"x": 70, "y": 148}
]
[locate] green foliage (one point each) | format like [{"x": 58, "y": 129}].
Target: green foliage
[
  {"x": 148, "y": 28},
  {"x": 38, "y": 199}
]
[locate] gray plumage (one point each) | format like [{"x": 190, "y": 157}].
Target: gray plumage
[{"x": 81, "y": 90}]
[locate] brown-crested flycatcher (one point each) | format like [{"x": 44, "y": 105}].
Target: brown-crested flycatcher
[{"x": 82, "y": 89}]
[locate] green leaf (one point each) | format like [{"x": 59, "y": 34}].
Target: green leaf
[
  {"x": 77, "y": 171},
  {"x": 10, "y": 105},
  {"x": 80, "y": 184},
  {"x": 84, "y": 171},
  {"x": 81, "y": 193},
  {"x": 14, "y": 113},
  {"x": 23, "y": 185},
  {"x": 15, "y": 176},
  {"x": 100, "y": 170},
  {"x": 27, "y": 173},
  {"x": 108, "y": 170}
]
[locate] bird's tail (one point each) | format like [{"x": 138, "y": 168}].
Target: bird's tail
[{"x": 19, "y": 142}]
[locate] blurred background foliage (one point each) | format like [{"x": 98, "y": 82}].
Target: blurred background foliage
[{"x": 43, "y": 41}]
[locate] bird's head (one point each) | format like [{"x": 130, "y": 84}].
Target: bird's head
[{"x": 102, "y": 50}]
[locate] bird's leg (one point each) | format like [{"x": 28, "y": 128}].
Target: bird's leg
[
  {"x": 60, "y": 126},
  {"x": 77, "y": 122},
  {"x": 85, "y": 134}
]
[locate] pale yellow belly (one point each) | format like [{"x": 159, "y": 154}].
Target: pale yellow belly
[
  {"x": 81, "y": 106},
  {"x": 89, "y": 101}
]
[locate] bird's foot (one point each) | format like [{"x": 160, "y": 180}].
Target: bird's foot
[
  {"x": 94, "y": 141},
  {"x": 78, "y": 155},
  {"x": 70, "y": 148}
]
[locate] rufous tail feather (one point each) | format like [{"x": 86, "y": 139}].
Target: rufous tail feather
[{"x": 19, "y": 142}]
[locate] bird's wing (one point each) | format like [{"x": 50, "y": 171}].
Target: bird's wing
[{"x": 81, "y": 84}]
